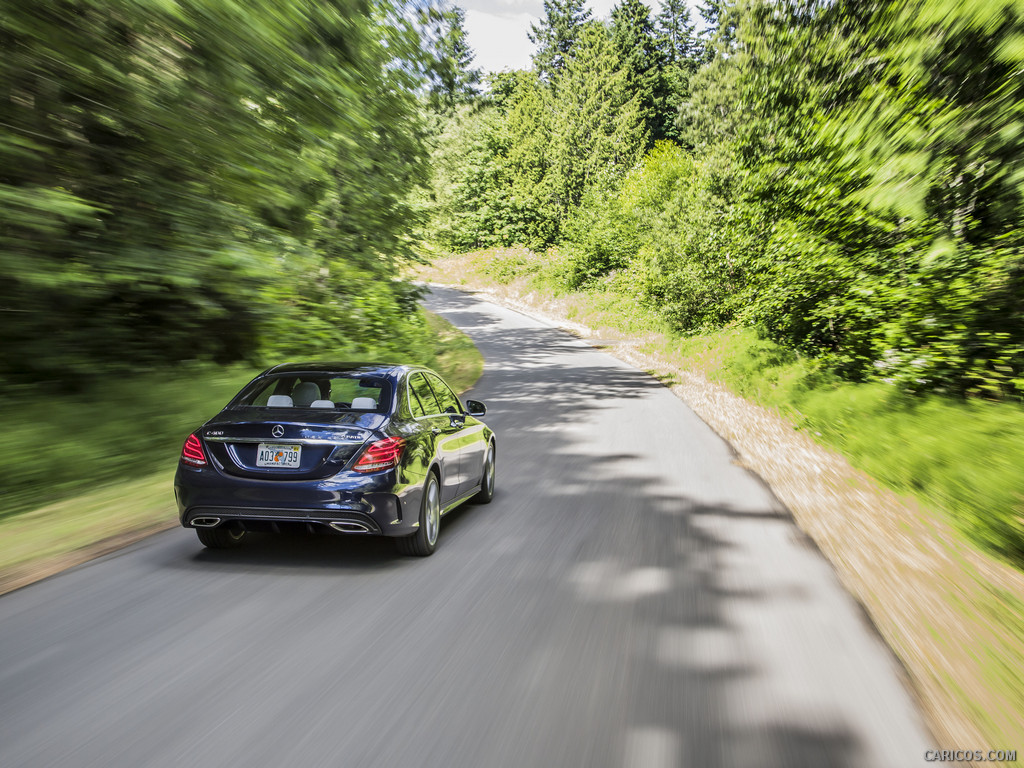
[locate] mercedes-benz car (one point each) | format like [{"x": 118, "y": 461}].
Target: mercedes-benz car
[{"x": 341, "y": 448}]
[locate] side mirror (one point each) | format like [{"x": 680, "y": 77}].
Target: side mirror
[{"x": 475, "y": 408}]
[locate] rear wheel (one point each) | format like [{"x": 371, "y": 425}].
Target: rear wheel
[
  {"x": 486, "y": 492},
  {"x": 222, "y": 537},
  {"x": 424, "y": 541}
]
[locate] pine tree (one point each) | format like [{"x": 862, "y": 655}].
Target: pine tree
[
  {"x": 638, "y": 59},
  {"x": 710, "y": 11},
  {"x": 599, "y": 133},
  {"x": 720, "y": 31},
  {"x": 453, "y": 79},
  {"x": 681, "y": 53},
  {"x": 556, "y": 35},
  {"x": 676, "y": 33}
]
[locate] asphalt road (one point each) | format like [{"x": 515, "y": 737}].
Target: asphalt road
[{"x": 631, "y": 598}]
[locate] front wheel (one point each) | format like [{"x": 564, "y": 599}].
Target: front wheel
[
  {"x": 424, "y": 541},
  {"x": 222, "y": 537},
  {"x": 486, "y": 492}
]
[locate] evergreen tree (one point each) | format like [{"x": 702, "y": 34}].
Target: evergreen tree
[
  {"x": 719, "y": 32},
  {"x": 599, "y": 133},
  {"x": 638, "y": 60},
  {"x": 710, "y": 11},
  {"x": 677, "y": 40},
  {"x": 556, "y": 35},
  {"x": 453, "y": 79},
  {"x": 681, "y": 53}
]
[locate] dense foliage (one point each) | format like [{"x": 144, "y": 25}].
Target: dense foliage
[
  {"x": 203, "y": 179},
  {"x": 846, "y": 177}
]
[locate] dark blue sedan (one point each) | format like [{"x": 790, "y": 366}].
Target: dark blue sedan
[{"x": 347, "y": 448}]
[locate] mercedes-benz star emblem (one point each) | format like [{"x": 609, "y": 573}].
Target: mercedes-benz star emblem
[{"x": 277, "y": 431}]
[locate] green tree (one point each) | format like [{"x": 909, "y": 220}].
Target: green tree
[
  {"x": 532, "y": 122},
  {"x": 491, "y": 179},
  {"x": 556, "y": 34},
  {"x": 680, "y": 53},
  {"x": 675, "y": 30},
  {"x": 599, "y": 136},
  {"x": 598, "y": 129},
  {"x": 720, "y": 25},
  {"x": 453, "y": 79},
  {"x": 639, "y": 61}
]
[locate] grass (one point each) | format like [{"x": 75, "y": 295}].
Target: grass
[
  {"x": 85, "y": 473},
  {"x": 66, "y": 533},
  {"x": 58, "y": 446},
  {"x": 957, "y": 622}
]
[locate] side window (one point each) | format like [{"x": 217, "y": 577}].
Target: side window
[
  {"x": 414, "y": 402},
  {"x": 445, "y": 397},
  {"x": 421, "y": 397}
]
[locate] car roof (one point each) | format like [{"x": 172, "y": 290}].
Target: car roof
[{"x": 369, "y": 369}]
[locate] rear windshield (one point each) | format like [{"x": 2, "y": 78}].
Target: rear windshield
[{"x": 339, "y": 391}]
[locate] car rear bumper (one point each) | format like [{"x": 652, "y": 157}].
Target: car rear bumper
[
  {"x": 366, "y": 504},
  {"x": 283, "y": 520}
]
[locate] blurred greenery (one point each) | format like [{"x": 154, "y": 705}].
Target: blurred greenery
[
  {"x": 113, "y": 429},
  {"x": 203, "y": 180}
]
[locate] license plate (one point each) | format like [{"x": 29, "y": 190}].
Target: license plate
[{"x": 273, "y": 455}]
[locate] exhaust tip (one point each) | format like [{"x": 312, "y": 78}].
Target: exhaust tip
[
  {"x": 205, "y": 522},
  {"x": 348, "y": 526}
]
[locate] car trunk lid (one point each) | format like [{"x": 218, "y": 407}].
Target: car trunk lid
[{"x": 295, "y": 449}]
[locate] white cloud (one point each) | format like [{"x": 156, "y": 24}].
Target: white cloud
[
  {"x": 498, "y": 30},
  {"x": 500, "y": 41}
]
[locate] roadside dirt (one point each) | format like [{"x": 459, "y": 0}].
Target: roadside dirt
[{"x": 927, "y": 593}]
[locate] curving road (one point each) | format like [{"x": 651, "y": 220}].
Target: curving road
[{"x": 631, "y": 598}]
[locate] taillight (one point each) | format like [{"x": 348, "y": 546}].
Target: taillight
[
  {"x": 383, "y": 454},
  {"x": 192, "y": 451}
]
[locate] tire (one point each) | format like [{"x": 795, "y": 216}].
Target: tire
[
  {"x": 486, "y": 492},
  {"x": 221, "y": 537},
  {"x": 424, "y": 541}
]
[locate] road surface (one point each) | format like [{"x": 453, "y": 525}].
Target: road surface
[{"x": 631, "y": 598}]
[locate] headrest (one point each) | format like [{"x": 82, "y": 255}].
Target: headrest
[
  {"x": 364, "y": 403},
  {"x": 279, "y": 401},
  {"x": 305, "y": 393}
]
